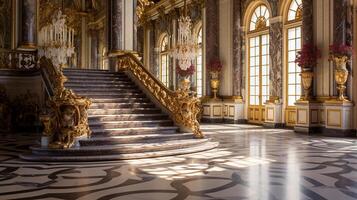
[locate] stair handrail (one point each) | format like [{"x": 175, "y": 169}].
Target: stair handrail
[
  {"x": 184, "y": 108},
  {"x": 68, "y": 118},
  {"x": 52, "y": 78}
]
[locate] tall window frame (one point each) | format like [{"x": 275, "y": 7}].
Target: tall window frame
[
  {"x": 293, "y": 39},
  {"x": 199, "y": 75},
  {"x": 164, "y": 60},
  {"x": 258, "y": 63}
]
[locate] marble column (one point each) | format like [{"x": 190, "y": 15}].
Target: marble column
[
  {"x": 115, "y": 26},
  {"x": 339, "y": 20},
  {"x": 237, "y": 49},
  {"x": 28, "y": 24},
  {"x": 307, "y": 22},
  {"x": 139, "y": 46},
  {"x": 276, "y": 56},
  {"x": 212, "y": 39},
  {"x": 273, "y": 108},
  {"x": 94, "y": 49},
  {"x": 153, "y": 50}
]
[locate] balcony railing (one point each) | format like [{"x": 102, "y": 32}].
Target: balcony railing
[{"x": 18, "y": 60}]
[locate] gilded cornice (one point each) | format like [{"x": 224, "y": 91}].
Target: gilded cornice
[{"x": 166, "y": 6}]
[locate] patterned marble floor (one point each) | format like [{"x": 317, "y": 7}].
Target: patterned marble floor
[{"x": 251, "y": 163}]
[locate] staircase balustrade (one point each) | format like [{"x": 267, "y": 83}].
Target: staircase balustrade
[
  {"x": 68, "y": 117},
  {"x": 184, "y": 108}
]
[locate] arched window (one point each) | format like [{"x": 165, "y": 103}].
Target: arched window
[
  {"x": 164, "y": 61},
  {"x": 199, "y": 65},
  {"x": 259, "y": 19},
  {"x": 258, "y": 65},
  {"x": 293, "y": 45},
  {"x": 295, "y": 10}
]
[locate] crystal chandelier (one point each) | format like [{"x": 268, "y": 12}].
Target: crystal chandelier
[
  {"x": 185, "y": 50},
  {"x": 56, "y": 41}
]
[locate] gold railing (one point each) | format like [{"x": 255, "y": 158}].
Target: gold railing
[
  {"x": 67, "y": 118},
  {"x": 18, "y": 60},
  {"x": 183, "y": 107}
]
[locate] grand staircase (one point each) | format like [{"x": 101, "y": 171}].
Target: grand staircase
[{"x": 125, "y": 123}]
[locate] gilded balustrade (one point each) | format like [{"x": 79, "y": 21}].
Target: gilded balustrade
[
  {"x": 184, "y": 107},
  {"x": 67, "y": 118},
  {"x": 18, "y": 60}
]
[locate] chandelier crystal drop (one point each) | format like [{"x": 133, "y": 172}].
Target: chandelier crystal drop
[
  {"x": 185, "y": 50},
  {"x": 56, "y": 41}
]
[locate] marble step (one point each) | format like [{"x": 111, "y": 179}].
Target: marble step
[
  {"x": 120, "y": 100},
  {"x": 98, "y": 79},
  {"x": 123, "y": 111},
  {"x": 174, "y": 152},
  {"x": 89, "y": 71},
  {"x": 130, "y": 124},
  {"x": 134, "y": 131},
  {"x": 97, "y": 141},
  {"x": 119, "y": 149},
  {"x": 91, "y": 75},
  {"x": 100, "y": 82},
  {"x": 106, "y": 90},
  {"x": 126, "y": 117},
  {"x": 96, "y": 95},
  {"x": 121, "y": 105},
  {"x": 98, "y": 86}
]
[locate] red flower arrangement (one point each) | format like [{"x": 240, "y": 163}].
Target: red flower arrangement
[
  {"x": 215, "y": 65},
  {"x": 184, "y": 73},
  {"x": 341, "y": 50},
  {"x": 307, "y": 56}
]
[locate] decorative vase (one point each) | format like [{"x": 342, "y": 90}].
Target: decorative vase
[
  {"x": 214, "y": 83},
  {"x": 185, "y": 84},
  {"x": 306, "y": 79},
  {"x": 341, "y": 75}
]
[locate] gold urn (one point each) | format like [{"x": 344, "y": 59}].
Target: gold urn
[
  {"x": 341, "y": 75},
  {"x": 306, "y": 78},
  {"x": 185, "y": 84},
  {"x": 215, "y": 83}
]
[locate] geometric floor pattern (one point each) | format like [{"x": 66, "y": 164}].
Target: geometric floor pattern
[{"x": 250, "y": 163}]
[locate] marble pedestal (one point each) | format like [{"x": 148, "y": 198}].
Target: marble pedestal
[
  {"x": 308, "y": 116},
  {"x": 273, "y": 115},
  {"x": 213, "y": 110},
  {"x": 230, "y": 110},
  {"x": 338, "y": 115}
]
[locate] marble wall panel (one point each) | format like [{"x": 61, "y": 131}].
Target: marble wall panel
[
  {"x": 5, "y": 23},
  {"x": 276, "y": 57}
]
